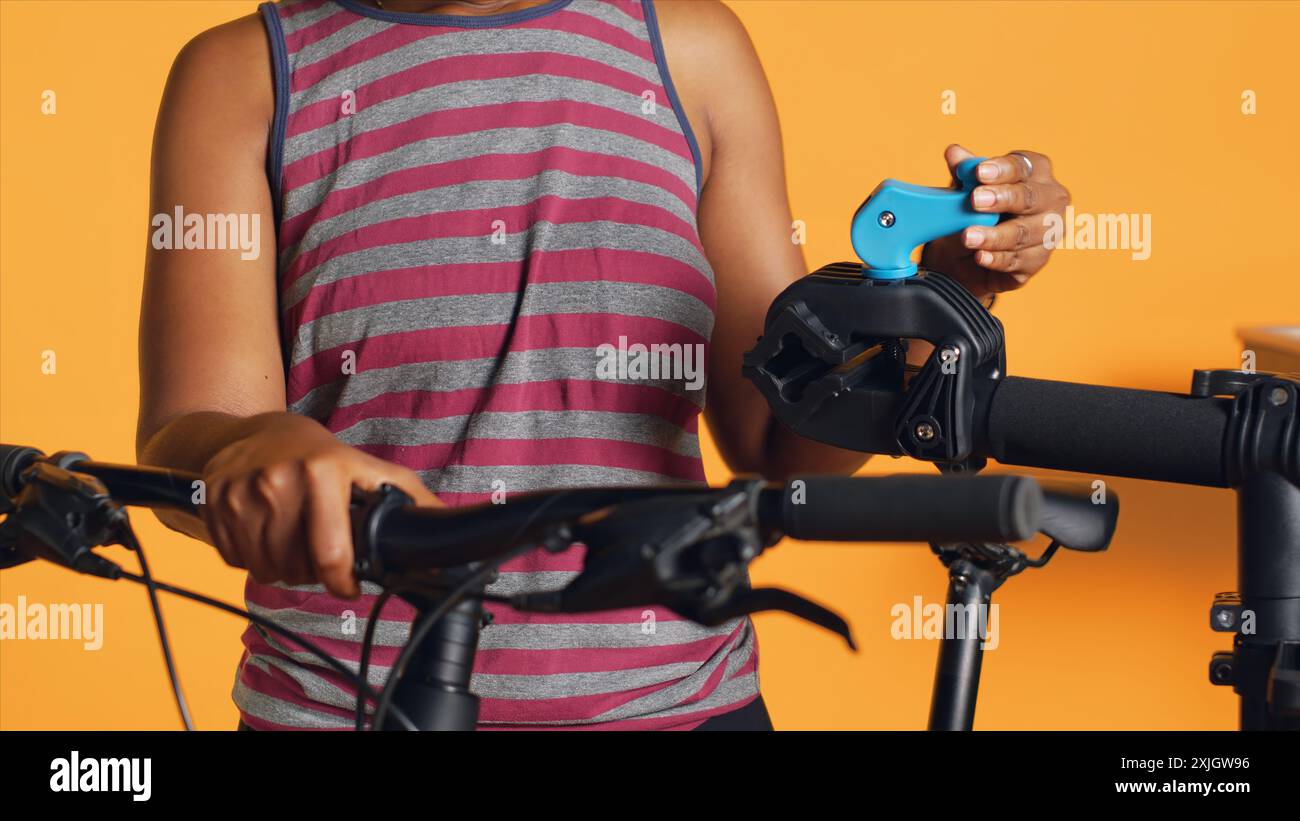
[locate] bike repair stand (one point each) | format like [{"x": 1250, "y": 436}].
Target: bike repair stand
[
  {"x": 1264, "y": 665},
  {"x": 935, "y": 422},
  {"x": 822, "y": 373},
  {"x": 823, "y": 376}
]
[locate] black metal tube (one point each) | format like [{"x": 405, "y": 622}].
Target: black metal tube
[
  {"x": 961, "y": 652},
  {"x": 142, "y": 486},
  {"x": 434, "y": 692},
  {"x": 1268, "y": 579},
  {"x": 411, "y": 539}
]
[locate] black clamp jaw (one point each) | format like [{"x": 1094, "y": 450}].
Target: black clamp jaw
[
  {"x": 1264, "y": 427},
  {"x": 828, "y": 379}
]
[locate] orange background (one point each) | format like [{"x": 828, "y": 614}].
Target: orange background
[{"x": 1138, "y": 104}]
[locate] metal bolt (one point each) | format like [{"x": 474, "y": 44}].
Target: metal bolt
[
  {"x": 924, "y": 431},
  {"x": 885, "y": 219},
  {"x": 1221, "y": 673},
  {"x": 1278, "y": 396},
  {"x": 1224, "y": 618}
]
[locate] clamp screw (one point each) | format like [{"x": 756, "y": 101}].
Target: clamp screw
[
  {"x": 885, "y": 219},
  {"x": 1225, "y": 618},
  {"x": 1278, "y": 396},
  {"x": 924, "y": 431}
]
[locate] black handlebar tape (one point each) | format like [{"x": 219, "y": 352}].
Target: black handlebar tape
[
  {"x": 912, "y": 508},
  {"x": 1164, "y": 437}
]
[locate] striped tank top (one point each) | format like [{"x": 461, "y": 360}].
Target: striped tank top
[{"x": 484, "y": 223}]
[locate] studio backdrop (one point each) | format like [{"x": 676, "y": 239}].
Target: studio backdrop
[{"x": 1178, "y": 119}]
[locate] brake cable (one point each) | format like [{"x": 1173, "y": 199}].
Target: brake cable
[
  {"x": 428, "y": 621},
  {"x": 367, "y": 644},
  {"x": 132, "y": 542},
  {"x": 63, "y": 515},
  {"x": 266, "y": 623}
]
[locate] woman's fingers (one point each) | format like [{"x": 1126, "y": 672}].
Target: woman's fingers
[
  {"x": 409, "y": 482},
  {"x": 1019, "y": 265},
  {"x": 1012, "y": 198},
  {"x": 277, "y": 489},
  {"x": 1018, "y": 183},
  {"x": 329, "y": 527},
  {"x": 1009, "y": 235},
  {"x": 215, "y": 521},
  {"x": 278, "y": 504}
]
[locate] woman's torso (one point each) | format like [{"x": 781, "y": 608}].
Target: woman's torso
[{"x": 480, "y": 218}]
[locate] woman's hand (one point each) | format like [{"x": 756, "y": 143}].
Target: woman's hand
[
  {"x": 1002, "y": 257},
  {"x": 277, "y": 502}
]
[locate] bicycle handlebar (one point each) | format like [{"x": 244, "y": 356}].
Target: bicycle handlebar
[
  {"x": 826, "y": 508},
  {"x": 914, "y": 508},
  {"x": 685, "y": 548},
  {"x": 1163, "y": 437}
]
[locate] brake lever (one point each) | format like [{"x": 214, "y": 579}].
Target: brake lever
[
  {"x": 61, "y": 516},
  {"x": 759, "y": 599},
  {"x": 689, "y": 558}
]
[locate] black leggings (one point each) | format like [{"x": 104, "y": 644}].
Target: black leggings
[{"x": 752, "y": 717}]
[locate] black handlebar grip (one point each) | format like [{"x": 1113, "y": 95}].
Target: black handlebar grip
[
  {"x": 1164, "y": 437},
  {"x": 13, "y": 460},
  {"x": 912, "y": 508}
]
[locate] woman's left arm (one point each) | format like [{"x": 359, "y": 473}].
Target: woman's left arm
[{"x": 745, "y": 227}]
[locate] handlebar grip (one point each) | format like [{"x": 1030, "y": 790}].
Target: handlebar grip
[
  {"x": 13, "y": 460},
  {"x": 1163, "y": 437},
  {"x": 912, "y": 508}
]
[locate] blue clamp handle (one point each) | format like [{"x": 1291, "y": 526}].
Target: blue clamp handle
[{"x": 899, "y": 216}]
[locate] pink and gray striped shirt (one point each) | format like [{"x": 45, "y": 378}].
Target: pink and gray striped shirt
[{"x": 469, "y": 208}]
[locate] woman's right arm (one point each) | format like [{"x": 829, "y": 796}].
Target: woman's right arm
[{"x": 212, "y": 384}]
